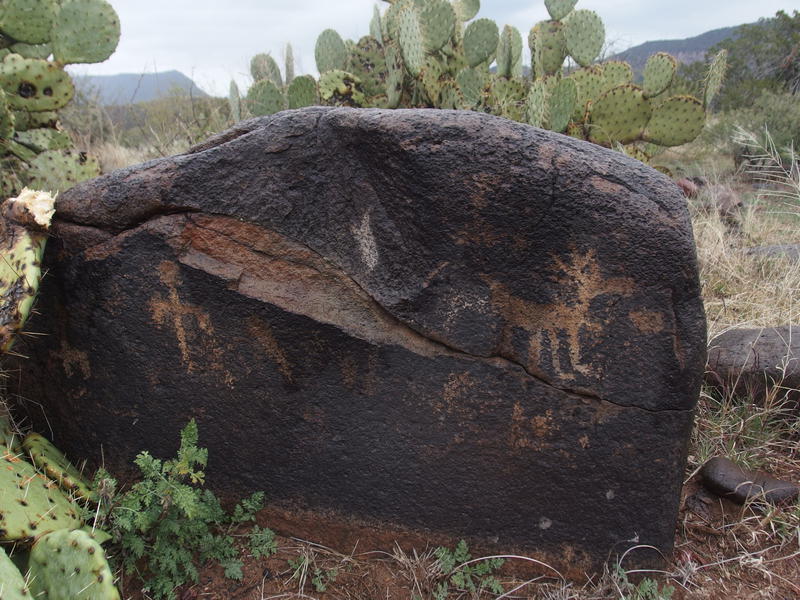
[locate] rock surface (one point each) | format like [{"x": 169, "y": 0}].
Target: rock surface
[
  {"x": 790, "y": 252},
  {"x": 755, "y": 362},
  {"x": 727, "y": 479},
  {"x": 436, "y": 320}
]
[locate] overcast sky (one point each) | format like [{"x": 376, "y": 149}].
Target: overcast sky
[{"x": 212, "y": 41}]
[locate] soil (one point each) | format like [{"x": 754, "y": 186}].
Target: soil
[{"x": 723, "y": 551}]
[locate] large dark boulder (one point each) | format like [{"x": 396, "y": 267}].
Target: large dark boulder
[{"x": 433, "y": 320}]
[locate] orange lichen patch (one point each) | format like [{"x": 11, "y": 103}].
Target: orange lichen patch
[
  {"x": 647, "y": 321},
  {"x": 457, "y": 402},
  {"x": 261, "y": 331},
  {"x": 72, "y": 358},
  {"x": 570, "y": 319},
  {"x": 531, "y": 432}
]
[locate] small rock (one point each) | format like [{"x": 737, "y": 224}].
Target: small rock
[
  {"x": 785, "y": 251},
  {"x": 727, "y": 479},
  {"x": 688, "y": 187}
]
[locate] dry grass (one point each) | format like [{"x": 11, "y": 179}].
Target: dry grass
[{"x": 741, "y": 289}]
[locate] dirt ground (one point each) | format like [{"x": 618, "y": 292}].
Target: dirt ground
[{"x": 722, "y": 552}]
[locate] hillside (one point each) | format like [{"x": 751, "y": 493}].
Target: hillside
[
  {"x": 129, "y": 88},
  {"x": 686, "y": 51}
]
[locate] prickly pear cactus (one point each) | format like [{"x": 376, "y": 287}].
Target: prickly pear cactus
[
  {"x": 435, "y": 53},
  {"x": 39, "y": 38},
  {"x": 55, "y": 465},
  {"x": 70, "y": 565},
  {"x": 9, "y": 437},
  {"x": 12, "y": 584},
  {"x": 24, "y": 222},
  {"x": 32, "y": 503}
]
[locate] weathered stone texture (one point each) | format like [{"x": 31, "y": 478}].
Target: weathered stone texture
[
  {"x": 756, "y": 362},
  {"x": 434, "y": 319}
]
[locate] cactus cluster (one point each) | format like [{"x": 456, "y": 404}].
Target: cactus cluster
[
  {"x": 435, "y": 53},
  {"x": 39, "y": 514},
  {"x": 38, "y": 38},
  {"x": 272, "y": 92}
]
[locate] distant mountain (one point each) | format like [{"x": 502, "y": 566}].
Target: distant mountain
[
  {"x": 128, "y": 88},
  {"x": 687, "y": 51}
]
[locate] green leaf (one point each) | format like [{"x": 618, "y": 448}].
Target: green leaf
[{"x": 262, "y": 542}]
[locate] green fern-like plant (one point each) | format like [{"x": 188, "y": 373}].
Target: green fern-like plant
[
  {"x": 167, "y": 524},
  {"x": 472, "y": 577}
]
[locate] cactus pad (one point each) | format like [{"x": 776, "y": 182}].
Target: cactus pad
[
  {"x": 376, "y": 24},
  {"x": 615, "y": 73},
  {"x": 659, "y": 72},
  {"x": 561, "y": 104},
  {"x": 263, "y": 66},
  {"x": 411, "y": 38},
  {"x": 265, "y": 98},
  {"x": 288, "y": 64},
  {"x": 395, "y": 74},
  {"x": 536, "y": 104},
  {"x": 7, "y": 120},
  {"x": 471, "y": 82},
  {"x": 55, "y": 465},
  {"x": 619, "y": 115},
  {"x": 590, "y": 86},
  {"x": 70, "y": 565},
  {"x": 450, "y": 95},
  {"x": 302, "y": 92},
  {"x": 330, "y": 52},
  {"x": 31, "y": 503},
  {"x": 585, "y": 35},
  {"x": 509, "y": 53},
  {"x": 24, "y": 120},
  {"x": 31, "y": 50},
  {"x": 44, "y": 138},
  {"x": 547, "y": 37},
  {"x": 12, "y": 584},
  {"x": 677, "y": 120},
  {"x": 59, "y": 170},
  {"x": 438, "y": 19},
  {"x": 20, "y": 270},
  {"x": 341, "y": 88},
  {"x": 33, "y": 84},
  {"x": 367, "y": 62},
  {"x": 84, "y": 31},
  {"x": 235, "y": 102},
  {"x": 508, "y": 98},
  {"x": 559, "y": 9},
  {"x": 467, "y": 9},
  {"x": 480, "y": 41},
  {"x": 716, "y": 74},
  {"x": 27, "y": 20}
]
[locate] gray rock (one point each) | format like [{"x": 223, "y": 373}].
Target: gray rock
[
  {"x": 782, "y": 251},
  {"x": 437, "y": 321},
  {"x": 727, "y": 479},
  {"x": 756, "y": 361}
]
